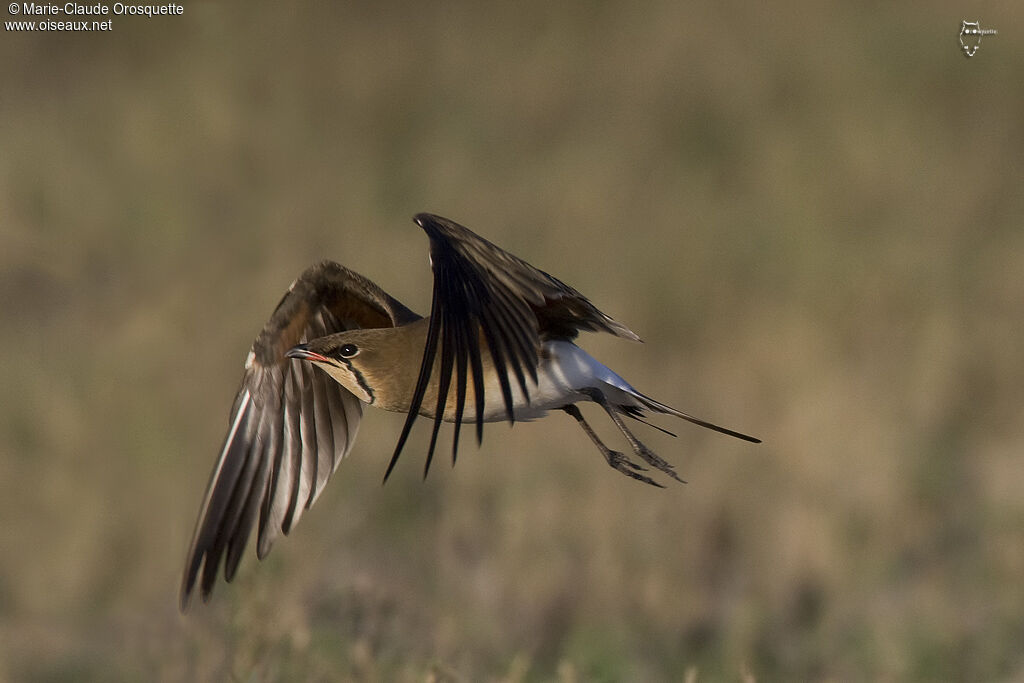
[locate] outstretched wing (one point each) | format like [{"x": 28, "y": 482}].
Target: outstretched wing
[
  {"x": 480, "y": 289},
  {"x": 290, "y": 426}
]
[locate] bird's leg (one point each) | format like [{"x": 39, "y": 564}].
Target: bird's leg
[
  {"x": 649, "y": 456},
  {"x": 617, "y": 460}
]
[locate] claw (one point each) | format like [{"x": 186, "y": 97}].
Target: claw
[
  {"x": 655, "y": 460},
  {"x": 621, "y": 463},
  {"x": 629, "y": 463}
]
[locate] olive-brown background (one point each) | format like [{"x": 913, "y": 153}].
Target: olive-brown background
[{"x": 810, "y": 212}]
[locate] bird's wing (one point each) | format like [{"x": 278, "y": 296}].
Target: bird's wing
[
  {"x": 481, "y": 289},
  {"x": 290, "y": 426}
]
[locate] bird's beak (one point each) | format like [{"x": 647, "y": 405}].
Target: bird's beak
[{"x": 302, "y": 352}]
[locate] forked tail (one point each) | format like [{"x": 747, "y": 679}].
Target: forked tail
[{"x": 659, "y": 407}]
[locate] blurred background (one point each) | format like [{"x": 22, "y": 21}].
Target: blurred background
[{"x": 811, "y": 212}]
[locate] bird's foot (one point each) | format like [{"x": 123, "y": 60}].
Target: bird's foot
[
  {"x": 621, "y": 463},
  {"x": 656, "y": 461}
]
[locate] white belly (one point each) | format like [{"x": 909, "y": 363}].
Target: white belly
[{"x": 564, "y": 370}]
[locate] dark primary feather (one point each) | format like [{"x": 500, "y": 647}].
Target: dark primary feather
[
  {"x": 481, "y": 289},
  {"x": 290, "y": 425}
]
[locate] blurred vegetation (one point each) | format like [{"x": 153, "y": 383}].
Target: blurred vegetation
[{"x": 810, "y": 211}]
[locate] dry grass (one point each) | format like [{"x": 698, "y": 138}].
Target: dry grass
[{"x": 810, "y": 213}]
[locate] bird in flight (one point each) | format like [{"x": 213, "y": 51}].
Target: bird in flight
[{"x": 498, "y": 345}]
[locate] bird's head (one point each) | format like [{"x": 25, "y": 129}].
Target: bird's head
[{"x": 356, "y": 359}]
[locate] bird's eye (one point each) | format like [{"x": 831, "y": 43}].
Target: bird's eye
[{"x": 348, "y": 350}]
